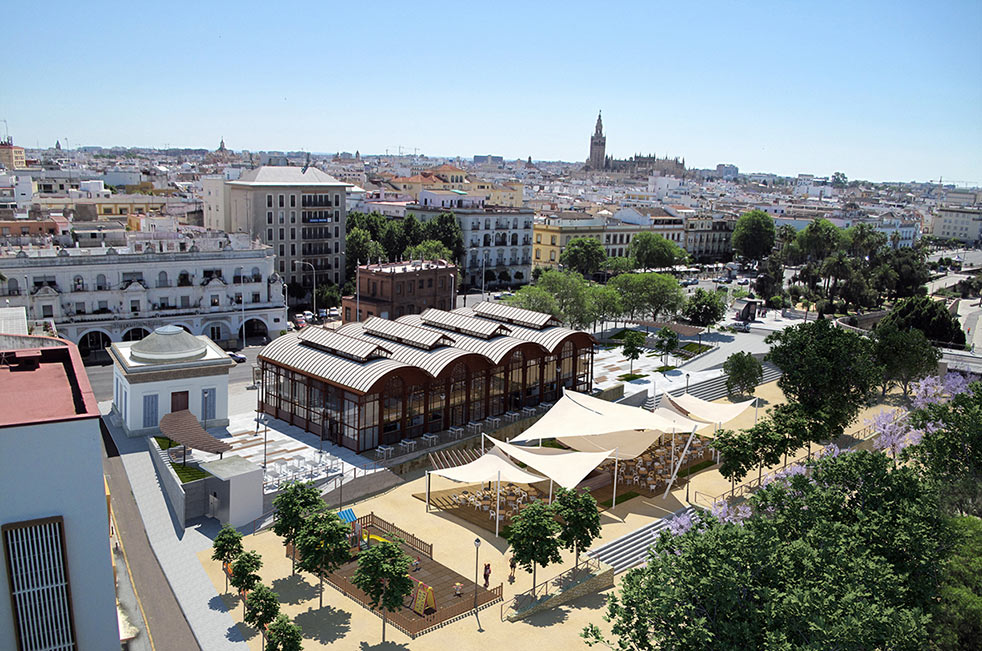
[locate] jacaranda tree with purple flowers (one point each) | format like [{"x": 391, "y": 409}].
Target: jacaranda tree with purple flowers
[{"x": 842, "y": 553}]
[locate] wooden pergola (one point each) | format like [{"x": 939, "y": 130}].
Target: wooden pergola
[{"x": 183, "y": 427}]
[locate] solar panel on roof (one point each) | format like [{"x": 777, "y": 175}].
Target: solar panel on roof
[
  {"x": 333, "y": 342},
  {"x": 406, "y": 334},
  {"x": 464, "y": 324}
]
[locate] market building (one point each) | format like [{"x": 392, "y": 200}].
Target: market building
[{"x": 381, "y": 381}]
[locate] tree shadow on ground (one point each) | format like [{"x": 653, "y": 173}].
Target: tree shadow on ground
[
  {"x": 221, "y": 603},
  {"x": 325, "y": 625},
  {"x": 547, "y": 618},
  {"x": 388, "y": 645},
  {"x": 294, "y": 589},
  {"x": 240, "y": 633},
  {"x": 594, "y": 601}
]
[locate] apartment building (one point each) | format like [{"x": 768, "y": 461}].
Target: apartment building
[
  {"x": 497, "y": 239},
  {"x": 552, "y": 235},
  {"x": 962, "y": 223},
  {"x": 299, "y": 211},
  {"x": 708, "y": 238},
  {"x": 208, "y": 283},
  {"x": 12, "y": 156},
  {"x": 393, "y": 289},
  {"x": 54, "y": 516}
]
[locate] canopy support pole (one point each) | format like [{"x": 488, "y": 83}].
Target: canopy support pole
[
  {"x": 497, "y": 506},
  {"x": 676, "y": 471},
  {"x": 482, "y": 442},
  {"x": 427, "y": 491},
  {"x": 613, "y": 499},
  {"x": 550, "y": 491},
  {"x": 673, "y": 451}
]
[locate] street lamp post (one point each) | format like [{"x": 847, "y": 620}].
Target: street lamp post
[
  {"x": 686, "y": 382},
  {"x": 314, "y": 291},
  {"x": 477, "y": 547}
]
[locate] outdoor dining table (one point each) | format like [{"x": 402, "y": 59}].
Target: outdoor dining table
[
  {"x": 511, "y": 416},
  {"x": 529, "y": 411},
  {"x": 473, "y": 428},
  {"x": 456, "y": 432},
  {"x": 430, "y": 439}
]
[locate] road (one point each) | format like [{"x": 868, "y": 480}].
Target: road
[
  {"x": 101, "y": 377},
  {"x": 168, "y": 627}
]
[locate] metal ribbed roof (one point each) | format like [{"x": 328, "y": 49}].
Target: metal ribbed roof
[
  {"x": 515, "y": 315},
  {"x": 358, "y": 376},
  {"x": 494, "y": 349},
  {"x": 550, "y": 337},
  {"x": 404, "y": 333},
  {"x": 466, "y": 325},
  {"x": 432, "y": 361},
  {"x": 334, "y": 342}
]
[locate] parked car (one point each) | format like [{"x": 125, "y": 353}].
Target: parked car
[
  {"x": 690, "y": 282},
  {"x": 238, "y": 357},
  {"x": 741, "y": 326},
  {"x": 334, "y": 313},
  {"x": 308, "y": 315},
  {"x": 743, "y": 281},
  {"x": 322, "y": 313}
]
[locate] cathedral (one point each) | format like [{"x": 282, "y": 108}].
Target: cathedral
[{"x": 636, "y": 165}]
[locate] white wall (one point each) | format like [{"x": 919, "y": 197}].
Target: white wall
[
  {"x": 133, "y": 417},
  {"x": 56, "y": 469},
  {"x": 245, "y": 502}
]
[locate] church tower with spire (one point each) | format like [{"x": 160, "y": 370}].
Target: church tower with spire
[{"x": 598, "y": 147}]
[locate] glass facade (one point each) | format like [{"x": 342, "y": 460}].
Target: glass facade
[{"x": 467, "y": 391}]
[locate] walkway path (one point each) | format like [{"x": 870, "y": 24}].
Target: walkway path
[{"x": 204, "y": 610}]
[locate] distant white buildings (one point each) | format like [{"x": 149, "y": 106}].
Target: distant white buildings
[{"x": 962, "y": 223}]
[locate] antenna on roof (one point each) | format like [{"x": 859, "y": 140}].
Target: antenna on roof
[{"x": 306, "y": 164}]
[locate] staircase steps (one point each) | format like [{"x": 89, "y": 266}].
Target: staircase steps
[{"x": 631, "y": 550}]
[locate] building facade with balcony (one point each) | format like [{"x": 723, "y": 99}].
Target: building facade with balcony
[
  {"x": 299, "y": 211},
  {"x": 497, "y": 239},
  {"x": 212, "y": 284}
]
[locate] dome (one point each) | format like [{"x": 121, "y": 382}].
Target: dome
[{"x": 168, "y": 343}]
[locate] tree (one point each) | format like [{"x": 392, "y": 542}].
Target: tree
[
  {"x": 958, "y": 624},
  {"x": 226, "y": 547},
  {"x": 383, "y": 575},
  {"x": 829, "y": 371},
  {"x": 584, "y": 255},
  {"x": 604, "y": 303},
  {"x": 293, "y": 504},
  {"x": 413, "y": 230},
  {"x": 754, "y": 234},
  {"x": 393, "y": 240},
  {"x": 632, "y": 346},
  {"x": 620, "y": 265},
  {"x": 372, "y": 223},
  {"x": 770, "y": 277},
  {"x": 533, "y": 537},
  {"x": 905, "y": 355},
  {"x": 569, "y": 290},
  {"x": 283, "y": 635},
  {"x": 704, "y": 308},
  {"x": 533, "y": 297},
  {"x": 445, "y": 228},
  {"x": 328, "y": 295},
  {"x": 743, "y": 372},
  {"x": 579, "y": 519},
  {"x": 360, "y": 248},
  {"x": 261, "y": 607},
  {"x": 650, "y": 293},
  {"x": 927, "y": 315},
  {"x": 667, "y": 341},
  {"x": 786, "y": 571},
  {"x": 839, "y": 180},
  {"x": 652, "y": 251},
  {"x": 323, "y": 545},
  {"x": 245, "y": 572},
  {"x": 428, "y": 250}
]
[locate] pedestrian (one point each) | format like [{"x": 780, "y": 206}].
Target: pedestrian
[
  {"x": 416, "y": 564},
  {"x": 456, "y": 589},
  {"x": 512, "y": 563},
  {"x": 487, "y": 574}
]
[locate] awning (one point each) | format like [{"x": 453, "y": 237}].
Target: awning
[
  {"x": 493, "y": 466},
  {"x": 184, "y": 428},
  {"x": 347, "y": 515},
  {"x": 565, "y": 467},
  {"x": 580, "y": 415},
  {"x": 709, "y": 412}
]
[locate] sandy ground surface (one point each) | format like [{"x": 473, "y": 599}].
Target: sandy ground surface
[{"x": 342, "y": 623}]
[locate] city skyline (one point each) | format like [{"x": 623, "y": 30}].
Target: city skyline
[{"x": 879, "y": 92}]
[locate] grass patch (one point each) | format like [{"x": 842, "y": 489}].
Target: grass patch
[
  {"x": 188, "y": 473},
  {"x": 553, "y": 443},
  {"x": 619, "y": 334},
  {"x": 696, "y": 348},
  {"x": 164, "y": 442},
  {"x": 691, "y": 470},
  {"x": 627, "y": 377},
  {"x": 662, "y": 369},
  {"x": 620, "y": 498}
]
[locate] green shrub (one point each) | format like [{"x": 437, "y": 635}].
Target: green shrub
[{"x": 775, "y": 302}]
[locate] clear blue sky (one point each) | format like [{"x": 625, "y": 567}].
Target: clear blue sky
[{"x": 878, "y": 90}]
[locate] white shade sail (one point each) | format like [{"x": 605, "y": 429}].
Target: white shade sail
[
  {"x": 565, "y": 467},
  {"x": 579, "y": 415},
  {"x": 487, "y": 468},
  {"x": 710, "y": 412}
]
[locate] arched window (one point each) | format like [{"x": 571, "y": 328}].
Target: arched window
[
  {"x": 162, "y": 279},
  {"x": 100, "y": 282},
  {"x": 12, "y": 287},
  {"x": 392, "y": 406},
  {"x": 78, "y": 284},
  {"x": 515, "y": 380},
  {"x": 457, "y": 400},
  {"x": 566, "y": 364},
  {"x": 184, "y": 279},
  {"x": 256, "y": 275}
]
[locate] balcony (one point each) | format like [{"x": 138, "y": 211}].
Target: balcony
[{"x": 164, "y": 283}]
